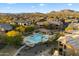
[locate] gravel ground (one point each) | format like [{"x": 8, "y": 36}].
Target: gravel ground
[
  {"x": 7, "y": 51},
  {"x": 38, "y": 50}
]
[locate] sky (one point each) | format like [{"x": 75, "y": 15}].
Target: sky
[{"x": 36, "y": 7}]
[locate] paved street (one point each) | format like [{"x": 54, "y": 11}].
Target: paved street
[{"x": 38, "y": 50}]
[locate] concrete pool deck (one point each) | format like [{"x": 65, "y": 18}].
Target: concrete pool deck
[{"x": 35, "y": 39}]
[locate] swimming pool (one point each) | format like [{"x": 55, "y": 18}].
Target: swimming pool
[{"x": 35, "y": 38}]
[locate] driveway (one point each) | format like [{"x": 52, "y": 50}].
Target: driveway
[{"x": 38, "y": 50}]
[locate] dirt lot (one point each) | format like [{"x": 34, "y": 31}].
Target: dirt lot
[{"x": 7, "y": 51}]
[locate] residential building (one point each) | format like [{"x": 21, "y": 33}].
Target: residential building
[{"x": 68, "y": 44}]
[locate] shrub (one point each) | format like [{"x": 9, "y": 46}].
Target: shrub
[
  {"x": 13, "y": 25},
  {"x": 2, "y": 38},
  {"x": 69, "y": 28},
  {"x": 13, "y": 38},
  {"x": 2, "y": 41},
  {"x": 14, "y": 41},
  {"x": 21, "y": 29},
  {"x": 30, "y": 28},
  {"x": 12, "y": 33}
]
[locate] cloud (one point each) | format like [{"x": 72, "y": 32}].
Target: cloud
[
  {"x": 11, "y": 3},
  {"x": 69, "y": 4},
  {"x": 42, "y": 4}
]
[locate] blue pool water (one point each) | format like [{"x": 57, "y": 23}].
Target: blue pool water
[{"x": 36, "y": 38}]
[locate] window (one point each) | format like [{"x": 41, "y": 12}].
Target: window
[{"x": 24, "y": 23}]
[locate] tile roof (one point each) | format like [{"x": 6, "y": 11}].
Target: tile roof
[
  {"x": 70, "y": 39},
  {"x": 6, "y": 26}
]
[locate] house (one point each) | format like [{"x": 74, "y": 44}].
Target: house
[
  {"x": 73, "y": 28},
  {"x": 56, "y": 24},
  {"x": 71, "y": 20},
  {"x": 68, "y": 44},
  {"x": 5, "y": 27},
  {"x": 13, "y": 22},
  {"x": 40, "y": 24},
  {"x": 23, "y": 22},
  {"x": 45, "y": 31}
]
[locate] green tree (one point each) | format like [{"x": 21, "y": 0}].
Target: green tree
[
  {"x": 21, "y": 29},
  {"x": 14, "y": 41},
  {"x": 30, "y": 28},
  {"x": 13, "y": 38}
]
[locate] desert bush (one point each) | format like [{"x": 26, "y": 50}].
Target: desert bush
[
  {"x": 30, "y": 28},
  {"x": 14, "y": 41},
  {"x": 2, "y": 41},
  {"x": 12, "y": 33},
  {"x": 21, "y": 29},
  {"x": 13, "y": 38}
]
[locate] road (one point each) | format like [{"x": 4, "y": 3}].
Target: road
[{"x": 38, "y": 50}]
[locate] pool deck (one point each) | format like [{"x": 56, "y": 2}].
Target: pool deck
[{"x": 35, "y": 39}]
